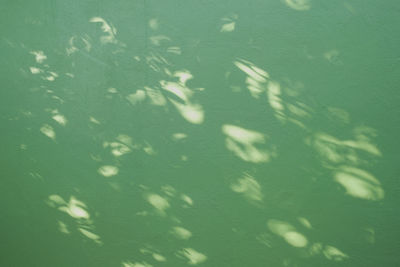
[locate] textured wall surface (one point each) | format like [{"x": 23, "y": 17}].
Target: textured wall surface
[{"x": 197, "y": 132}]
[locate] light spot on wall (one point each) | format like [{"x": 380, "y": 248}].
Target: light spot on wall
[
  {"x": 332, "y": 253},
  {"x": 299, "y": 5},
  {"x": 137, "y": 97},
  {"x": 194, "y": 257},
  {"x": 249, "y": 187},
  {"x": 359, "y": 183},
  {"x": 158, "y": 202},
  {"x": 35, "y": 70},
  {"x": 48, "y": 131},
  {"x": 108, "y": 170},
  {"x": 40, "y": 57},
  {"x": 153, "y": 24},
  {"x": 288, "y": 233},
  {"x": 63, "y": 228},
  {"x": 228, "y": 27},
  {"x": 243, "y": 143},
  {"x": 107, "y": 28},
  {"x": 181, "y": 233},
  {"x": 256, "y": 77}
]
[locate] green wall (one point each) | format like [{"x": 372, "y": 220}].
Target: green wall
[{"x": 196, "y": 132}]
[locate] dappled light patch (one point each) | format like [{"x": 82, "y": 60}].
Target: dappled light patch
[
  {"x": 249, "y": 187},
  {"x": 135, "y": 264},
  {"x": 77, "y": 210},
  {"x": 164, "y": 206},
  {"x": 265, "y": 239},
  {"x": 299, "y": 5},
  {"x": 228, "y": 27},
  {"x": 51, "y": 76},
  {"x": 90, "y": 235},
  {"x": 256, "y": 77},
  {"x": 179, "y": 136},
  {"x": 122, "y": 145},
  {"x": 112, "y": 90},
  {"x": 181, "y": 97},
  {"x": 359, "y": 183},
  {"x": 35, "y": 70},
  {"x": 193, "y": 256},
  {"x": 288, "y": 233},
  {"x": 334, "y": 150},
  {"x": 153, "y": 24},
  {"x": 56, "y": 200},
  {"x": 94, "y": 120},
  {"x": 187, "y": 199},
  {"x": 158, "y": 39},
  {"x": 174, "y": 50},
  {"x": 285, "y": 104},
  {"x": 332, "y": 253},
  {"x": 58, "y": 117},
  {"x": 183, "y": 76},
  {"x": 283, "y": 100},
  {"x": 109, "y": 30},
  {"x": 332, "y": 56},
  {"x": 158, "y": 202},
  {"x": 48, "y": 131},
  {"x": 36, "y": 176},
  {"x": 369, "y": 235},
  {"x": 155, "y": 96},
  {"x": 243, "y": 143},
  {"x": 329, "y": 252},
  {"x": 179, "y": 90},
  {"x": 138, "y": 97},
  {"x": 181, "y": 233},
  {"x": 251, "y": 70},
  {"x": 74, "y": 208},
  {"x": 40, "y": 57},
  {"x": 63, "y": 228},
  {"x": 168, "y": 190},
  {"x": 125, "y": 139},
  {"x": 173, "y": 193},
  {"x": 193, "y": 113},
  {"x": 154, "y": 254},
  {"x": 77, "y": 43},
  {"x": 228, "y": 23},
  {"x": 117, "y": 149},
  {"x": 108, "y": 170},
  {"x": 159, "y": 257},
  {"x": 156, "y": 61},
  {"x": 148, "y": 149},
  {"x": 363, "y": 136},
  {"x": 274, "y": 99},
  {"x": 304, "y": 222},
  {"x": 293, "y": 237},
  {"x": 44, "y": 69},
  {"x": 339, "y": 115}
]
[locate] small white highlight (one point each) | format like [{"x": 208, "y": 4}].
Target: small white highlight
[
  {"x": 48, "y": 131},
  {"x": 108, "y": 170},
  {"x": 39, "y": 56}
]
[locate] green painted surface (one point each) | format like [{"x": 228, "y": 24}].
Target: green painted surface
[{"x": 209, "y": 133}]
